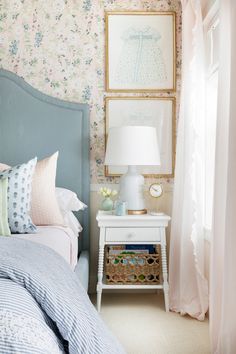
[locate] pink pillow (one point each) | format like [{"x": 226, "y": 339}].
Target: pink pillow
[
  {"x": 44, "y": 206},
  {"x": 3, "y": 167}
]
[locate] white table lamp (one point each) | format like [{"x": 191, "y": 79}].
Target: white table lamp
[{"x": 132, "y": 146}]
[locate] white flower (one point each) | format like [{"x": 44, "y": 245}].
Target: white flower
[{"x": 107, "y": 192}]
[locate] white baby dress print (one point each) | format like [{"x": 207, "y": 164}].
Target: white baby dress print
[{"x": 141, "y": 61}]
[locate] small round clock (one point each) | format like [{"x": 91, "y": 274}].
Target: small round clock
[{"x": 156, "y": 190}]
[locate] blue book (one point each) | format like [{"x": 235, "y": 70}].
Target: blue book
[{"x": 150, "y": 248}]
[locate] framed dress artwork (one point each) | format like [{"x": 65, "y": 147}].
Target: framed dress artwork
[
  {"x": 158, "y": 112},
  {"x": 140, "y": 51}
]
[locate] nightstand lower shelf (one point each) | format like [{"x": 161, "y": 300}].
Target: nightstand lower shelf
[{"x": 131, "y": 286}]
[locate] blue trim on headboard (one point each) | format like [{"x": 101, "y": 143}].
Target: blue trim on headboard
[{"x": 35, "y": 124}]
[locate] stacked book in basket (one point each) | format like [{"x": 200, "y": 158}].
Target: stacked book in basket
[{"x": 133, "y": 264}]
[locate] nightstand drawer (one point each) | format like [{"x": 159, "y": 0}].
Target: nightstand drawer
[{"x": 133, "y": 234}]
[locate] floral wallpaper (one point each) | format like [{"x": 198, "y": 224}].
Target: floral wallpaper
[{"x": 59, "y": 48}]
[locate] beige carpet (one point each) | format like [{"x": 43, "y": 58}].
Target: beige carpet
[{"x": 143, "y": 327}]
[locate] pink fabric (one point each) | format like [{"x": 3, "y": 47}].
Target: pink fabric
[
  {"x": 44, "y": 206},
  {"x": 61, "y": 239},
  {"x": 3, "y": 167},
  {"x": 223, "y": 258},
  {"x": 188, "y": 286}
]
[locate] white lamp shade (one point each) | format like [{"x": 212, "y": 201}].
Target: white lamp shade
[{"x": 132, "y": 145}]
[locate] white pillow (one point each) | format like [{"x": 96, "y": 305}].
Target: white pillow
[
  {"x": 68, "y": 200},
  {"x": 72, "y": 222}
]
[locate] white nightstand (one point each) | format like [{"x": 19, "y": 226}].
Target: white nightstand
[{"x": 132, "y": 229}]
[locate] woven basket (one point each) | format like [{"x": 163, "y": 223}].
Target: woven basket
[{"x": 133, "y": 268}]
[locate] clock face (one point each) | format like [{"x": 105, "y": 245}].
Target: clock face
[{"x": 156, "y": 190}]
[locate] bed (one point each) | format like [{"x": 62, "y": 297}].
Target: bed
[{"x": 44, "y": 305}]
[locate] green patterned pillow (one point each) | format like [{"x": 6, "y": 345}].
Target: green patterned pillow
[{"x": 4, "y": 227}]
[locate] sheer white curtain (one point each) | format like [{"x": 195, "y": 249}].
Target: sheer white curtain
[
  {"x": 188, "y": 287},
  {"x": 223, "y": 250}
]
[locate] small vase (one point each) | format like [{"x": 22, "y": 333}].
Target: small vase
[{"x": 107, "y": 204}]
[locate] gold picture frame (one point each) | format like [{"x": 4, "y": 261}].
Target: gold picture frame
[
  {"x": 129, "y": 31},
  {"x": 141, "y": 118}
]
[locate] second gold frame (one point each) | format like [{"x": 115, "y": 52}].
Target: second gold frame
[{"x": 146, "y": 111}]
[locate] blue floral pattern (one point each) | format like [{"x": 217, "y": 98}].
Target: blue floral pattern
[{"x": 19, "y": 197}]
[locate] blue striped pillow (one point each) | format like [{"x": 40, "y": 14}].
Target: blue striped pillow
[{"x": 19, "y": 197}]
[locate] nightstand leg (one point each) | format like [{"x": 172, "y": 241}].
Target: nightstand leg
[
  {"x": 99, "y": 299},
  {"x": 100, "y": 269},
  {"x": 165, "y": 273}
]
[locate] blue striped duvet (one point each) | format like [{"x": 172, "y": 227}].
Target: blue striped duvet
[{"x": 43, "y": 307}]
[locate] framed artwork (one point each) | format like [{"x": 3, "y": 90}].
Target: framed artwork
[
  {"x": 140, "y": 51},
  {"x": 158, "y": 112}
]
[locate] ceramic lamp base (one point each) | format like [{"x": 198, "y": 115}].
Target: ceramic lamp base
[{"x": 131, "y": 191}]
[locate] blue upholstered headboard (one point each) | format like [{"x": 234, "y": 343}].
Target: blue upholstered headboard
[{"x": 34, "y": 124}]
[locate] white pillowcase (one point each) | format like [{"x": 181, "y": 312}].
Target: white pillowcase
[
  {"x": 72, "y": 222},
  {"x": 68, "y": 202}
]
